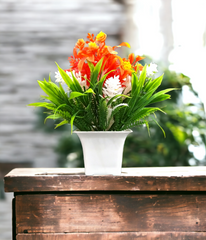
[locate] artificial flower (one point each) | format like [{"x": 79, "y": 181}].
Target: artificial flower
[
  {"x": 112, "y": 87},
  {"x": 151, "y": 69},
  {"x": 106, "y": 92}
]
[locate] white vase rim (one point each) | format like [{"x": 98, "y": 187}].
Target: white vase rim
[{"x": 112, "y": 132}]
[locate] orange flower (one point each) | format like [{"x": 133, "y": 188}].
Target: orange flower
[
  {"x": 125, "y": 69},
  {"x": 138, "y": 67},
  {"x": 123, "y": 44},
  {"x": 95, "y": 49},
  {"x": 131, "y": 57},
  {"x": 101, "y": 37},
  {"x": 80, "y": 44},
  {"x": 90, "y": 37}
]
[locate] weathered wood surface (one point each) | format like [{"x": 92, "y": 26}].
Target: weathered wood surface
[
  {"x": 116, "y": 236},
  {"x": 131, "y": 179},
  {"x": 92, "y": 212}
]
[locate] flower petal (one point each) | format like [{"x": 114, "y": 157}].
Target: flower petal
[{"x": 124, "y": 44}]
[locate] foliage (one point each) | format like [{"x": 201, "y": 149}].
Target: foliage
[
  {"x": 116, "y": 93},
  {"x": 179, "y": 123},
  {"x": 182, "y": 123}
]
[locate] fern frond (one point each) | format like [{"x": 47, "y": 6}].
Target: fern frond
[{"x": 138, "y": 115}]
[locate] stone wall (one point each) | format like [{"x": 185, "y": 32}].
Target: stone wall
[{"x": 33, "y": 35}]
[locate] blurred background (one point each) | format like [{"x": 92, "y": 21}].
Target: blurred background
[{"x": 36, "y": 33}]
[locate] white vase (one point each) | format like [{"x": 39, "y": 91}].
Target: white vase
[{"x": 103, "y": 151}]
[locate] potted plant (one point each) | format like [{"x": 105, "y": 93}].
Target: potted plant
[{"x": 105, "y": 96}]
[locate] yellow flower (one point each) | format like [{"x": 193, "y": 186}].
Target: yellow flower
[
  {"x": 93, "y": 46},
  {"x": 101, "y": 37},
  {"x": 126, "y": 65}
]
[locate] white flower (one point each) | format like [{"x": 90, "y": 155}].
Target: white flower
[
  {"x": 59, "y": 77},
  {"x": 81, "y": 80},
  {"x": 112, "y": 87},
  {"x": 151, "y": 69}
]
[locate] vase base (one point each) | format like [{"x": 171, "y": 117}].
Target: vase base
[{"x": 113, "y": 172}]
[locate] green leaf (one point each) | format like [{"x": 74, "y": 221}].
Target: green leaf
[
  {"x": 67, "y": 79},
  {"x": 153, "y": 84},
  {"x": 62, "y": 105},
  {"x": 134, "y": 83},
  {"x": 61, "y": 123},
  {"x": 91, "y": 66},
  {"x": 72, "y": 120},
  {"x": 95, "y": 73},
  {"x": 53, "y": 116},
  {"x": 141, "y": 80},
  {"x": 38, "y": 104},
  {"x": 161, "y": 98},
  {"x": 144, "y": 113},
  {"x": 157, "y": 95},
  {"x": 90, "y": 90},
  {"x": 115, "y": 110},
  {"x": 101, "y": 81},
  {"x": 116, "y": 97},
  {"x": 50, "y": 91},
  {"x": 75, "y": 95},
  {"x": 102, "y": 110},
  {"x": 159, "y": 126},
  {"x": 78, "y": 94},
  {"x": 77, "y": 84}
]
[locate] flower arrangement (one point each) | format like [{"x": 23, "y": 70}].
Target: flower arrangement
[{"x": 104, "y": 92}]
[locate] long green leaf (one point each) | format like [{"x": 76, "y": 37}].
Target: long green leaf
[
  {"x": 77, "y": 84},
  {"x": 142, "y": 79},
  {"x": 53, "y": 97},
  {"x": 153, "y": 84},
  {"x": 116, "y": 97},
  {"x": 62, "y": 123},
  {"x": 159, "y": 126},
  {"x": 53, "y": 116},
  {"x": 75, "y": 95},
  {"x": 39, "y": 104},
  {"x": 161, "y": 98},
  {"x": 78, "y": 94},
  {"x": 72, "y": 120},
  {"x": 95, "y": 73},
  {"x": 101, "y": 81},
  {"x": 67, "y": 79},
  {"x": 89, "y": 90},
  {"x": 161, "y": 93}
]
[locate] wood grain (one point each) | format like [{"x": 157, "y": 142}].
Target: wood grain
[
  {"x": 134, "y": 179},
  {"x": 116, "y": 236},
  {"x": 134, "y": 212}
]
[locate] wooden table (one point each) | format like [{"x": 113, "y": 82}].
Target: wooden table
[{"x": 141, "y": 203}]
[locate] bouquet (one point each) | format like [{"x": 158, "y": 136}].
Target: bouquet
[{"x": 102, "y": 91}]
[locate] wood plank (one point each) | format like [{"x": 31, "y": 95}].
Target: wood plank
[
  {"x": 134, "y": 212},
  {"x": 116, "y": 236},
  {"x": 131, "y": 179}
]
